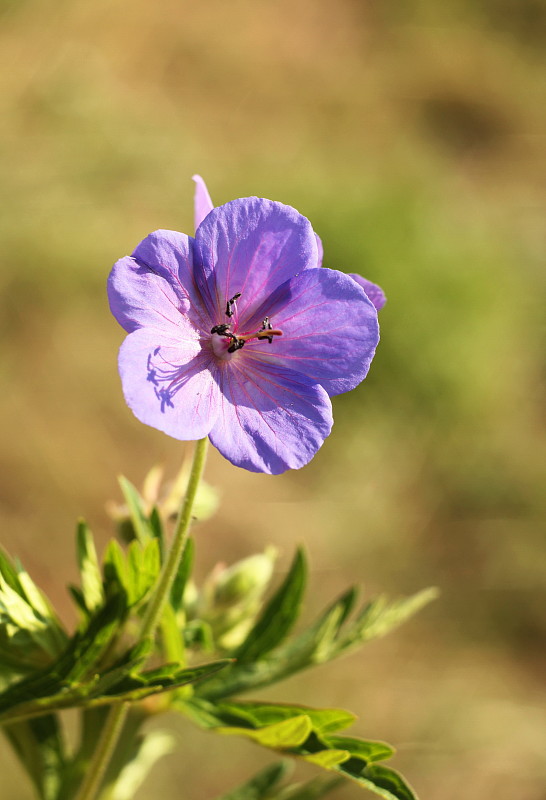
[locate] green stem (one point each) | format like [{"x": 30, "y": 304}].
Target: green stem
[
  {"x": 154, "y": 610},
  {"x": 114, "y": 723}
]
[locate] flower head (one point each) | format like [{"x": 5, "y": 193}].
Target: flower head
[{"x": 240, "y": 333}]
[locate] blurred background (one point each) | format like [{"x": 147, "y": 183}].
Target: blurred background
[{"x": 411, "y": 134}]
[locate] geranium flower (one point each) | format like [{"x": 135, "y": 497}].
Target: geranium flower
[{"x": 239, "y": 334}]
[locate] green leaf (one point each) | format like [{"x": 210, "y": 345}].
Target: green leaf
[
  {"x": 87, "y": 648},
  {"x": 89, "y": 568},
  {"x": 80, "y": 657},
  {"x": 17, "y": 615},
  {"x": 182, "y": 575},
  {"x": 305, "y": 733},
  {"x": 328, "y": 759},
  {"x": 135, "y": 504},
  {"x": 313, "y": 645},
  {"x": 99, "y": 691},
  {"x": 380, "y": 617},
  {"x": 9, "y": 573},
  {"x": 116, "y": 570},
  {"x": 260, "y": 786},
  {"x": 287, "y": 734},
  {"x": 278, "y": 616},
  {"x": 144, "y": 563},
  {"x": 360, "y": 748},
  {"x": 332, "y": 635},
  {"x": 259, "y": 715},
  {"x": 133, "y": 573},
  {"x": 383, "y": 781},
  {"x": 156, "y": 525}
]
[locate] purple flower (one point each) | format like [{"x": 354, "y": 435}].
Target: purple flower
[{"x": 240, "y": 334}]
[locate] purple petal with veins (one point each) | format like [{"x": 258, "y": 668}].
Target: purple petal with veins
[{"x": 271, "y": 419}]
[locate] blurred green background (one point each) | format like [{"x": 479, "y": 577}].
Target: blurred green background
[{"x": 411, "y": 134}]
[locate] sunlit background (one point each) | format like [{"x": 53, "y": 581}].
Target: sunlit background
[{"x": 410, "y": 134}]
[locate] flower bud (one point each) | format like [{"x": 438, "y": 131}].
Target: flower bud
[{"x": 230, "y": 598}]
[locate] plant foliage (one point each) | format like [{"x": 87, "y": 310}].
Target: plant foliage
[{"x": 215, "y": 643}]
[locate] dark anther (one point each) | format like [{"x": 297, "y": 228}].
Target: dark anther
[
  {"x": 221, "y": 330},
  {"x": 237, "y": 344},
  {"x": 231, "y": 303}
]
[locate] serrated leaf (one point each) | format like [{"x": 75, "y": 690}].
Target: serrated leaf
[
  {"x": 312, "y": 646},
  {"x": 135, "y": 504},
  {"x": 88, "y": 564},
  {"x": 332, "y": 635},
  {"x": 278, "y": 616},
  {"x": 259, "y": 715},
  {"x": 282, "y": 735},
  {"x": 380, "y": 617},
  {"x": 350, "y": 757}
]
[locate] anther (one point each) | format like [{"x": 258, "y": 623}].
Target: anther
[
  {"x": 236, "y": 344},
  {"x": 266, "y": 326},
  {"x": 221, "y": 330},
  {"x": 231, "y": 306}
]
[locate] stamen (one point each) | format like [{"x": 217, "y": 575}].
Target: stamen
[
  {"x": 231, "y": 306},
  {"x": 267, "y": 326},
  {"x": 269, "y": 334},
  {"x": 267, "y": 331}
]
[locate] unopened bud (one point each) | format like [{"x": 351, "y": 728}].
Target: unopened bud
[
  {"x": 244, "y": 580},
  {"x": 230, "y": 598}
]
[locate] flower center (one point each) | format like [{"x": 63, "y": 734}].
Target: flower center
[{"x": 225, "y": 342}]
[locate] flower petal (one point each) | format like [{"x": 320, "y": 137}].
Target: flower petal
[
  {"x": 271, "y": 419},
  {"x": 330, "y": 329},
  {"x": 139, "y": 297},
  {"x": 320, "y": 249},
  {"x": 167, "y": 381},
  {"x": 250, "y": 246},
  {"x": 170, "y": 254},
  {"x": 374, "y": 292},
  {"x": 202, "y": 204}
]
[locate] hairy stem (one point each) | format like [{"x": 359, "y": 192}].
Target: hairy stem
[{"x": 114, "y": 723}]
